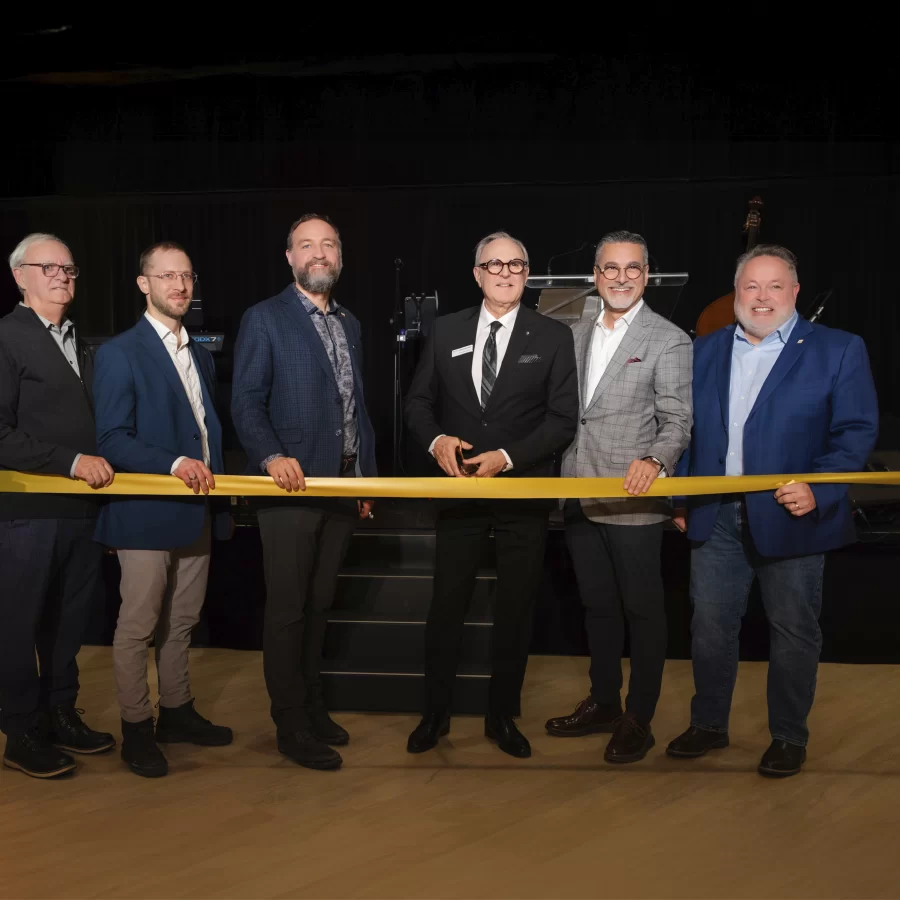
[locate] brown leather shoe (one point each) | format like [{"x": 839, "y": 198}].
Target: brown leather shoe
[
  {"x": 588, "y": 718},
  {"x": 630, "y": 741}
]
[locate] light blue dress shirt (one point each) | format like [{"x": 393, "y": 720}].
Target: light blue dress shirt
[{"x": 750, "y": 366}]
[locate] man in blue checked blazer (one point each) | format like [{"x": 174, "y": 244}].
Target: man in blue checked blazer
[{"x": 299, "y": 409}]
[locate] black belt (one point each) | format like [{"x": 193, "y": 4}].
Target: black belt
[{"x": 348, "y": 463}]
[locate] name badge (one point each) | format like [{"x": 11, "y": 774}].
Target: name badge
[{"x": 462, "y": 350}]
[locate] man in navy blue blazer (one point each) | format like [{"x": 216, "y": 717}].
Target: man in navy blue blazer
[
  {"x": 154, "y": 391},
  {"x": 299, "y": 409},
  {"x": 773, "y": 394}
]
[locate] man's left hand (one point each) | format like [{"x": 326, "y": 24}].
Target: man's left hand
[
  {"x": 365, "y": 508},
  {"x": 797, "y": 499},
  {"x": 640, "y": 475},
  {"x": 489, "y": 464}
]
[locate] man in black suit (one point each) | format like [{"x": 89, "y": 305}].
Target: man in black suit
[
  {"x": 498, "y": 380},
  {"x": 49, "y": 562}
]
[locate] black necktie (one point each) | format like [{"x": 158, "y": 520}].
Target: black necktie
[{"x": 489, "y": 365}]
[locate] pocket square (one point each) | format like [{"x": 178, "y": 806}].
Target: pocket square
[
  {"x": 633, "y": 359},
  {"x": 529, "y": 358}
]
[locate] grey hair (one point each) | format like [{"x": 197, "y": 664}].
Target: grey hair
[
  {"x": 17, "y": 257},
  {"x": 622, "y": 237},
  {"x": 498, "y": 236},
  {"x": 775, "y": 250}
]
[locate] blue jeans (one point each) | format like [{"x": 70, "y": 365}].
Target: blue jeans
[{"x": 722, "y": 572}]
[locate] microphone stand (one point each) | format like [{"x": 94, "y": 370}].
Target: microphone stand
[{"x": 821, "y": 307}]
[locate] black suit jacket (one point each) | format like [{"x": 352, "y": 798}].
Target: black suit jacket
[
  {"x": 532, "y": 412},
  {"x": 46, "y": 415}
]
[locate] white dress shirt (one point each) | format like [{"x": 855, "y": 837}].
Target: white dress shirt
[
  {"x": 507, "y": 323},
  {"x": 179, "y": 351},
  {"x": 604, "y": 343}
]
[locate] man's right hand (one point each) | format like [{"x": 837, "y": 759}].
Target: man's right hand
[
  {"x": 287, "y": 474},
  {"x": 195, "y": 475},
  {"x": 679, "y": 519},
  {"x": 95, "y": 471},
  {"x": 445, "y": 454}
]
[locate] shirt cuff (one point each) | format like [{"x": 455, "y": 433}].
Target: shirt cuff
[
  {"x": 509, "y": 464},
  {"x": 176, "y": 464},
  {"x": 75, "y": 464},
  {"x": 264, "y": 465},
  {"x": 431, "y": 445}
]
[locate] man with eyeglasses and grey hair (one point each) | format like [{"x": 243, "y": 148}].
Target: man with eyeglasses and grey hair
[
  {"x": 497, "y": 384},
  {"x": 634, "y": 371},
  {"x": 156, "y": 414},
  {"x": 50, "y": 565}
]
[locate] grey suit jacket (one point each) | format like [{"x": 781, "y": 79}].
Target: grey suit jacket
[{"x": 641, "y": 407}]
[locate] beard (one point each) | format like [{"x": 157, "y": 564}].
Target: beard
[
  {"x": 321, "y": 282},
  {"x": 172, "y": 307}
]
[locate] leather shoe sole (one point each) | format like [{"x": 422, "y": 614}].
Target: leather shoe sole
[
  {"x": 601, "y": 728},
  {"x": 637, "y": 756},
  {"x": 425, "y": 746},
  {"x": 155, "y": 771},
  {"x": 322, "y": 764},
  {"x": 779, "y": 773},
  {"x": 86, "y": 751},
  {"x": 62, "y": 770},
  {"x": 719, "y": 744}
]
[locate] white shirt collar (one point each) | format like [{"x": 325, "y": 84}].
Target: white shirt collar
[
  {"x": 628, "y": 318},
  {"x": 164, "y": 332},
  {"x": 64, "y": 326},
  {"x": 507, "y": 320}
]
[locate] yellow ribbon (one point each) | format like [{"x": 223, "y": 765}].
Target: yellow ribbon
[{"x": 434, "y": 488}]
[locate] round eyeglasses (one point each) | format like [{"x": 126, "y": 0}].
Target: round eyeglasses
[
  {"x": 51, "y": 269},
  {"x": 189, "y": 277},
  {"x": 495, "y": 266},
  {"x": 611, "y": 272}
]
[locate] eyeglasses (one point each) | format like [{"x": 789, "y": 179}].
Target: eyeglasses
[
  {"x": 495, "y": 266},
  {"x": 611, "y": 272},
  {"x": 189, "y": 277},
  {"x": 51, "y": 269}
]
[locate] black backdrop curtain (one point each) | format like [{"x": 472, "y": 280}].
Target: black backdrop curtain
[{"x": 844, "y": 231}]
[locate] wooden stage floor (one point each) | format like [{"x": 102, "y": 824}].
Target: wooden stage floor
[{"x": 466, "y": 820}]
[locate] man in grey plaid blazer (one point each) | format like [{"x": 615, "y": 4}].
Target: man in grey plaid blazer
[{"x": 634, "y": 377}]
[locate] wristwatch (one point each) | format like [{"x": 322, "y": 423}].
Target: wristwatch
[{"x": 662, "y": 468}]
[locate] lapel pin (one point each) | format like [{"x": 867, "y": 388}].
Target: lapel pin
[{"x": 800, "y": 341}]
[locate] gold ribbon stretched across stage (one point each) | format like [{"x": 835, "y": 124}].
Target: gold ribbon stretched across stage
[{"x": 434, "y": 488}]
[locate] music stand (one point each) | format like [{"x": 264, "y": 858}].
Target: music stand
[{"x": 573, "y": 298}]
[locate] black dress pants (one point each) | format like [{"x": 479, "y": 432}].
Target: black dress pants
[
  {"x": 50, "y": 579},
  {"x": 303, "y": 549},
  {"x": 520, "y": 536},
  {"x": 619, "y": 576}
]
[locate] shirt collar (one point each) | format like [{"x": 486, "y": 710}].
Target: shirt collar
[
  {"x": 65, "y": 326},
  {"x": 311, "y": 307},
  {"x": 628, "y": 318},
  {"x": 164, "y": 332},
  {"x": 507, "y": 320},
  {"x": 780, "y": 334}
]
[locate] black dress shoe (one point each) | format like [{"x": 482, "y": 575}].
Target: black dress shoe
[
  {"x": 425, "y": 735},
  {"x": 30, "y": 752},
  {"x": 184, "y": 725},
  {"x": 588, "y": 718},
  {"x": 140, "y": 751},
  {"x": 305, "y": 749},
  {"x": 630, "y": 741},
  {"x": 696, "y": 742},
  {"x": 326, "y": 729},
  {"x": 782, "y": 759},
  {"x": 502, "y": 729},
  {"x": 68, "y": 732}
]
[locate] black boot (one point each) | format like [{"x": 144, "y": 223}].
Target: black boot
[
  {"x": 68, "y": 732},
  {"x": 139, "y": 749},
  {"x": 325, "y": 728},
  {"x": 30, "y": 752},
  {"x": 184, "y": 725},
  {"x": 425, "y": 735},
  {"x": 305, "y": 749}
]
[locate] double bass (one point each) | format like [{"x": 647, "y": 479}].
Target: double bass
[{"x": 720, "y": 312}]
